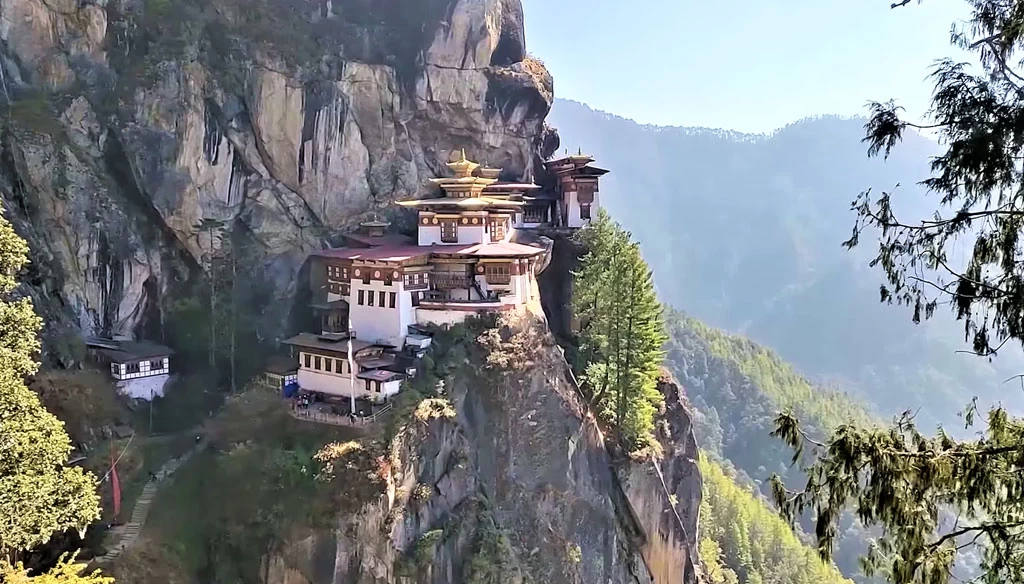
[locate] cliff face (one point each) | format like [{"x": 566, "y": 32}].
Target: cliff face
[
  {"x": 514, "y": 484},
  {"x": 133, "y": 122}
]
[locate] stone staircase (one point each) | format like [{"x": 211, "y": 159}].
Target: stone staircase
[{"x": 126, "y": 535}]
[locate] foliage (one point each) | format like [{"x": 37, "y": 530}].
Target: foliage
[
  {"x": 66, "y": 572},
  {"x": 899, "y": 479},
  {"x": 711, "y": 558},
  {"x": 39, "y": 496},
  {"x": 431, "y": 409},
  {"x": 621, "y": 333},
  {"x": 737, "y": 389},
  {"x": 756, "y": 545},
  {"x": 83, "y": 400},
  {"x": 245, "y": 496}
]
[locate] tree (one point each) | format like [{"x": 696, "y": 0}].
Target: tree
[
  {"x": 66, "y": 572},
  {"x": 898, "y": 478},
  {"x": 622, "y": 330},
  {"x": 39, "y": 496}
]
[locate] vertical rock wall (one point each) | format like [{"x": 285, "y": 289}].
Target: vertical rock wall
[{"x": 134, "y": 121}]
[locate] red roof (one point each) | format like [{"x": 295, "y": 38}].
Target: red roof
[
  {"x": 393, "y": 253},
  {"x": 370, "y": 240},
  {"x": 497, "y": 250},
  {"x": 384, "y": 253}
]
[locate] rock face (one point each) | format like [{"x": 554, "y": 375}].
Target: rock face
[
  {"x": 515, "y": 486},
  {"x": 134, "y": 122}
]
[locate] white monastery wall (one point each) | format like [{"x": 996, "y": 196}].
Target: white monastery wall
[
  {"x": 375, "y": 323},
  {"x": 341, "y": 384},
  {"x": 144, "y": 387},
  {"x": 441, "y": 317},
  {"x": 429, "y": 235}
]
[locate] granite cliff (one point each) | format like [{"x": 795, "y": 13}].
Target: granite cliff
[
  {"x": 131, "y": 124},
  {"x": 133, "y": 130},
  {"x": 512, "y": 483}
]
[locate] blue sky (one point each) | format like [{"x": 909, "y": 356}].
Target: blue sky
[{"x": 749, "y": 66}]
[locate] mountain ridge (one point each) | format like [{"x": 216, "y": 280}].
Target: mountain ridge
[{"x": 744, "y": 233}]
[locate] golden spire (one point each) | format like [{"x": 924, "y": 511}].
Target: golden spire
[{"x": 463, "y": 167}]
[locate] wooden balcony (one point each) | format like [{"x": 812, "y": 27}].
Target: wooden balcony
[{"x": 442, "y": 281}]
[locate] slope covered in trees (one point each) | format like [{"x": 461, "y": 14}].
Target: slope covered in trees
[
  {"x": 738, "y": 388},
  {"x": 744, "y": 233},
  {"x": 743, "y": 540}
]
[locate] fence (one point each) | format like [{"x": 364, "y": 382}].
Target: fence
[{"x": 319, "y": 417}]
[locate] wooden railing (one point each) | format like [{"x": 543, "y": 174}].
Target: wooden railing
[
  {"x": 444, "y": 281},
  {"x": 313, "y": 415}
]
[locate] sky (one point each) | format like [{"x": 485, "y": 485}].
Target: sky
[{"x": 750, "y": 66}]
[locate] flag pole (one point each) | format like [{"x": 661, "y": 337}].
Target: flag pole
[{"x": 351, "y": 371}]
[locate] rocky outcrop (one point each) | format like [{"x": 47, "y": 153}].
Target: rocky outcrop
[
  {"x": 134, "y": 123},
  {"x": 664, "y": 495},
  {"x": 516, "y": 481}
]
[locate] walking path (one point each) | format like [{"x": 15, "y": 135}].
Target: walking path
[{"x": 128, "y": 533}]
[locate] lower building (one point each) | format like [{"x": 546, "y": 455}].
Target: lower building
[
  {"x": 342, "y": 366},
  {"x": 140, "y": 369}
]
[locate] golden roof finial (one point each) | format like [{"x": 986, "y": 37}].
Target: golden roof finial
[{"x": 463, "y": 167}]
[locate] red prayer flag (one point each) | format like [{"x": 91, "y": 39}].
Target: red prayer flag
[{"x": 116, "y": 485}]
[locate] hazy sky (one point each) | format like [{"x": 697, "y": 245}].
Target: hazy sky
[{"x": 743, "y": 65}]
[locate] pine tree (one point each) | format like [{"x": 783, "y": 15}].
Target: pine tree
[
  {"x": 621, "y": 330},
  {"x": 898, "y": 478},
  {"x": 39, "y": 496}
]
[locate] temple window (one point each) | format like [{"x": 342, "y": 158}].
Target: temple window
[
  {"x": 498, "y": 273},
  {"x": 362, "y": 299},
  {"x": 381, "y": 296},
  {"x": 392, "y": 299},
  {"x": 316, "y": 363},
  {"x": 497, "y": 229},
  {"x": 449, "y": 231},
  {"x": 369, "y": 298},
  {"x": 308, "y": 360},
  {"x": 585, "y": 211},
  {"x": 534, "y": 214}
]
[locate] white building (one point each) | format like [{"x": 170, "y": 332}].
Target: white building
[
  {"x": 462, "y": 261},
  {"x": 141, "y": 369},
  {"x": 325, "y": 367}
]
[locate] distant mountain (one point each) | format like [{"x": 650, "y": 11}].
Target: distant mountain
[{"x": 744, "y": 232}]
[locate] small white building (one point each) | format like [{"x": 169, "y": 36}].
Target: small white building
[
  {"x": 340, "y": 366},
  {"x": 141, "y": 369}
]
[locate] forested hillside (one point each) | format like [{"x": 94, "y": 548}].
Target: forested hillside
[
  {"x": 743, "y": 232},
  {"x": 743, "y": 540},
  {"x": 737, "y": 388}
]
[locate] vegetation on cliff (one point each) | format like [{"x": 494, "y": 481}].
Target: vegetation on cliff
[
  {"x": 737, "y": 388},
  {"x": 743, "y": 540},
  {"x": 621, "y": 331},
  {"x": 899, "y": 478},
  {"x": 39, "y": 495}
]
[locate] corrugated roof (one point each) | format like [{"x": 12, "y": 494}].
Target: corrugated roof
[
  {"x": 382, "y": 375},
  {"x": 312, "y": 341},
  {"x": 126, "y": 351},
  {"x": 282, "y": 365}
]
